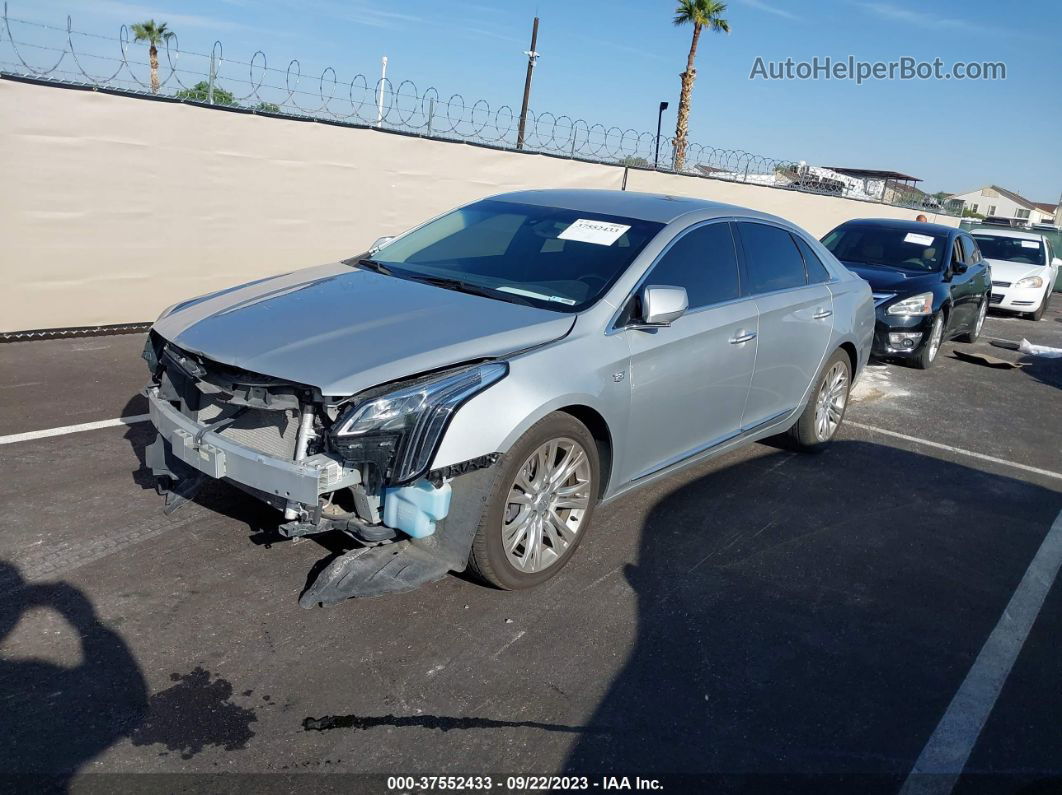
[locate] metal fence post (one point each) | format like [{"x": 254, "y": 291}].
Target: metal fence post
[
  {"x": 213, "y": 75},
  {"x": 431, "y": 113}
]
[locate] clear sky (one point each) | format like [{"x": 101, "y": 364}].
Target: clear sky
[{"x": 613, "y": 62}]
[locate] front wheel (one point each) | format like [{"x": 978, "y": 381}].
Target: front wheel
[
  {"x": 928, "y": 353},
  {"x": 982, "y": 310},
  {"x": 540, "y": 505},
  {"x": 825, "y": 410},
  {"x": 1039, "y": 313}
]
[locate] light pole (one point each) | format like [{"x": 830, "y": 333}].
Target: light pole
[
  {"x": 659, "y": 119},
  {"x": 532, "y": 57},
  {"x": 380, "y": 91}
]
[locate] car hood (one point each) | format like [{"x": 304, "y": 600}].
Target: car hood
[
  {"x": 1004, "y": 271},
  {"x": 891, "y": 280},
  {"x": 344, "y": 329}
]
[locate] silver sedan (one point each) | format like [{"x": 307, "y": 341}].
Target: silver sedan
[{"x": 466, "y": 394}]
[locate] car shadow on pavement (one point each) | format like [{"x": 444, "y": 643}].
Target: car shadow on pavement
[
  {"x": 56, "y": 717},
  {"x": 808, "y": 618},
  {"x": 1045, "y": 370}
]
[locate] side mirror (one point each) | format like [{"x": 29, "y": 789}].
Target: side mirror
[
  {"x": 380, "y": 243},
  {"x": 1057, "y": 261},
  {"x": 959, "y": 267},
  {"x": 661, "y": 306}
]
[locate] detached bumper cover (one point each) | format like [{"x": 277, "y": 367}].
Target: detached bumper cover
[
  {"x": 217, "y": 457},
  {"x": 408, "y": 564}
]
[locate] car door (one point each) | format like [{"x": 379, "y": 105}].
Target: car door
[
  {"x": 689, "y": 381},
  {"x": 796, "y": 321},
  {"x": 963, "y": 285},
  {"x": 980, "y": 274}
]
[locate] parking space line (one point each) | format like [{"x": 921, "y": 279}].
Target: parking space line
[
  {"x": 85, "y": 426},
  {"x": 938, "y": 767},
  {"x": 959, "y": 450}
]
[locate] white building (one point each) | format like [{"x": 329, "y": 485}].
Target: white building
[{"x": 993, "y": 201}]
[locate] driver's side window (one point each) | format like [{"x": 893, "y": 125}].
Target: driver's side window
[{"x": 704, "y": 261}]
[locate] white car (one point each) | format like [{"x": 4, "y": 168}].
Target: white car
[{"x": 1024, "y": 269}]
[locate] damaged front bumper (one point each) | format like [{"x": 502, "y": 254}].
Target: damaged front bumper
[
  {"x": 215, "y": 456},
  {"x": 186, "y": 452}
]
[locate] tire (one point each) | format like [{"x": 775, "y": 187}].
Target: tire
[
  {"x": 811, "y": 434},
  {"x": 1039, "y": 313},
  {"x": 520, "y": 474},
  {"x": 927, "y": 354},
  {"x": 975, "y": 332}
]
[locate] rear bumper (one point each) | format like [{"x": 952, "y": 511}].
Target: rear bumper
[{"x": 217, "y": 457}]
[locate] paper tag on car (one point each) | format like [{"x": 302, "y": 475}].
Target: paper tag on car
[
  {"x": 601, "y": 233},
  {"x": 918, "y": 240},
  {"x": 1030, "y": 244}
]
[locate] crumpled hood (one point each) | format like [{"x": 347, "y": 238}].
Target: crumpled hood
[
  {"x": 1005, "y": 271},
  {"x": 891, "y": 280},
  {"x": 344, "y": 329}
]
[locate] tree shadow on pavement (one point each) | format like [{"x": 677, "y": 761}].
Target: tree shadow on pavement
[
  {"x": 58, "y": 717},
  {"x": 810, "y": 617}
]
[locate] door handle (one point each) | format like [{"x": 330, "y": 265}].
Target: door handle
[
  {"x": 740, "y": 337},
  {"x": 822, "y": 313}
]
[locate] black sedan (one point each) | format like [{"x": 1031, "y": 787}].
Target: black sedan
[{"x": 930, "y": 283}]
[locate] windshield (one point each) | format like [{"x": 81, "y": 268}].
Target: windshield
[
  {"x": 887, "y": 247},
  {"x": 546, "y": 256},
  {"x": 1011, "y": 249}
]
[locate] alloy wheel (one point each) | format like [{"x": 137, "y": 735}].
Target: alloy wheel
[
  {"x": 830, "y": 402},
  {"x": 981, "y": 316},
  {"x": 935, "y": 337},
  {"x": 546, "y": 505}
]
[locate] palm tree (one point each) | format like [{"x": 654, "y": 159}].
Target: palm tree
[
  {"x": 702, "y": 14},
  {"x": 154, "y": 34}
]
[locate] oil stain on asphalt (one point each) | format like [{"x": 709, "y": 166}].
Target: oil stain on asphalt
[
  {"x": 440, "y": 722},
  {"x": 195, "y": 713}
]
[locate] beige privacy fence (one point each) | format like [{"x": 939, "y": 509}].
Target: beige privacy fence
[{"x": 114, "y": 207}]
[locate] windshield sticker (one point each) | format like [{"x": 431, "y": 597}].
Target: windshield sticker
[
  {"x": 918, "y": 240},
  {"x": 601, "y": 233},
  {"x": 1030, "y": 244}
]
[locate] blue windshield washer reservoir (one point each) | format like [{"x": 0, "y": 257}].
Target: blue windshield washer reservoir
[{"x": 415, "y": 509}]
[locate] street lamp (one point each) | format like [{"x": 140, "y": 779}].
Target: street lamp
[{"x": 659, "y": 119}]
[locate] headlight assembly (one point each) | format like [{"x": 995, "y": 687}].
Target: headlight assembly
[
  {"x": 1030, "y": 281},
  {"x": 401, "y": 431},
  {"x": 921, "y": 304}
]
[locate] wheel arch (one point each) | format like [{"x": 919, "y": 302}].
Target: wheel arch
[
  {"x": 598, "y": 427},
  {"x": 853, "y": 356}
]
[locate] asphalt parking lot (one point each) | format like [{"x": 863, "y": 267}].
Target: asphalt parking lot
[{"x": 809, "y": 619}]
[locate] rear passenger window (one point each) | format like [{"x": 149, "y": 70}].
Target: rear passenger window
[
  {"x": 973, "y": 253},
  {"x": 703, "y": 261},
  {"x": 957, "y": 256},
  {"x": 773, "y": 260},
  {"x": 817, "y": 272}
]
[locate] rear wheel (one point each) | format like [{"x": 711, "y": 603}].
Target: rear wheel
[
  {"x": 540, "y": 505},
  {"x": 825, "y": 410},
  {"x": 930, "y": 348}
]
